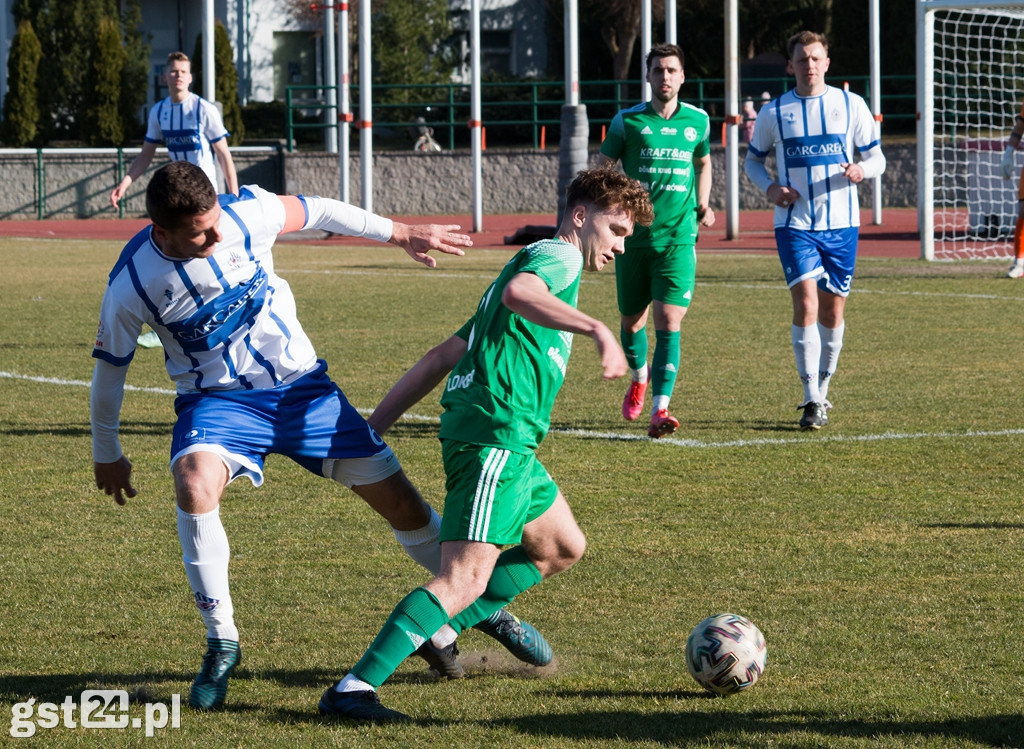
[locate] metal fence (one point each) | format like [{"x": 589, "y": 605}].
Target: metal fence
[
  {"x": 528, "y": 113},
  {"x": 51, "y": 182}
]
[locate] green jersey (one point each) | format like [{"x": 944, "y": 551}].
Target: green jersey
[
  {"x": 501, "y": 392},
  {"x": 659, "y": 153}
]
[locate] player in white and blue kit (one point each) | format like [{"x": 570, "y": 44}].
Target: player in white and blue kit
[
  {"x": 814, "y": 130},
  {"x": 248, "y": 380},
  {"x": 190, "y": 126}
]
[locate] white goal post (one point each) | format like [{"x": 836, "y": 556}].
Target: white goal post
[{"x": 970, "y": 86}]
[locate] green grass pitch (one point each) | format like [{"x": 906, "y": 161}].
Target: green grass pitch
[{"x": 881, "y": 557}]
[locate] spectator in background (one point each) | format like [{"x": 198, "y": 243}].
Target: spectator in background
[{"x": 749, "y": 117}]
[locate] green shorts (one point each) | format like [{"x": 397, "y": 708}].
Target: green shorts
[
  {"x": 492, "y": 493},
  {"x": 646, "y": 274}
]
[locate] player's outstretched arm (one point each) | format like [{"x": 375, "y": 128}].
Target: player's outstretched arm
[
  {"x": 529, "y": 297},
  {"x": 419, "y": 239},
  {"x": 341, "y": 218},
  {"x": 417, "y": 383}
]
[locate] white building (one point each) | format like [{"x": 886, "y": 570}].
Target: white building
[{"x": 273, "y": 49}]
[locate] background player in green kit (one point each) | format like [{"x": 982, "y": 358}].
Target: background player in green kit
[
  {"x": 663, "y": 143},
  {"x": 506, "y": 366}
]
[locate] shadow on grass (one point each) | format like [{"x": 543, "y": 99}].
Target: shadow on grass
[
  {"x": 659, "y": 724},
  {"x": 160, "y": 685},
  {"x": 668, "y": 728},
  {"x": 80, "y": 430},
  {"x": 56, "y": 687},
  {"x": 414, "y": 429},
  {"x": 976, "y": 526}
]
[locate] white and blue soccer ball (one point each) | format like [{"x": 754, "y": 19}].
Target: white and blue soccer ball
[{"x": 726, "y": 653}]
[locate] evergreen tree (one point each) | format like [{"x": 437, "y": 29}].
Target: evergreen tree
[
  {"x": 60, "y": 25},
  {"x": 103, "y": 123},
  {"x": 135, "y": 71},
  {"x": 21, "y": 107},
  {"x": 412, "y": 43},
  {"x": 68, "y": 35},
  {"x": 225, "y": 82}
]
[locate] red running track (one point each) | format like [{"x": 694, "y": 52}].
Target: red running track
[{"x": 897, "y": 235}]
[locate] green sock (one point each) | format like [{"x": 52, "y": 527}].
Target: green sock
[
  {"x": 513, "y": 573},
  {"x": 634, "y": 345},
  {"x": 666, "y": 362},
  {"x": 415, "y": 619}
]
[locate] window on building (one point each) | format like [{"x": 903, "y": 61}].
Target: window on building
[
  {"x": 160, "y": 89},
  {"x": 496, "y": 52},
  {"x": 294, "y": 62}
]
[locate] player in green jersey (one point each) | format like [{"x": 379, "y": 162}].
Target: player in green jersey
[
  {"x": 504, "y": 369},
  {"x": 663, "y": 143}
]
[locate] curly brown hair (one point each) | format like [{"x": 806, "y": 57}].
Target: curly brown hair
[{"x": 609, "y": 189}]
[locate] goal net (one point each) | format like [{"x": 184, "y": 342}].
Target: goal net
[{"x": 970, "y": 88}]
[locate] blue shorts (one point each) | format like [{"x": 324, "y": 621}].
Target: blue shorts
[
  {"x": 828, "y": 256},
  {"x": 309, "y": 421}
]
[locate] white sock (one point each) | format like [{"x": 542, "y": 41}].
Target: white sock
[
  {"x": 659, "y": 402},
  {"x": 640, "y": 375},
  {"x": 807, "y": 350},
  {"x": 831, "y": 345},
  {"x": 351, "y": 684},
  {"x": 206, "y": 553},
  {"x": 445, "y": 636},
  {"x": 423, "y": 545}
]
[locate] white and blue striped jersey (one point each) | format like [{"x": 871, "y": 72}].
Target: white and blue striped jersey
[
  {"x": 812, "y": 136},
  {"x": 188, "y": 130},
  {"x": 228, "y": 321}
]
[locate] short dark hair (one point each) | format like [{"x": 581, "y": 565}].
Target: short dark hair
[
  {"x": 665, "y": 50},
  {"x": 805, "y": 38},
  {"x": 608, "y": 189},
  {"x": 177, "y": 192}
]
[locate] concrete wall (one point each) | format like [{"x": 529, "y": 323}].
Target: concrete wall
[{"x": 76, "y": 185}]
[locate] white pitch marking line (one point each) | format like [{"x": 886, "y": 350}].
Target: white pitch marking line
[
  {"x": 751, "y": 286},
  {"x": 789, "y": 440},
  {"x": 619, "y": 436},
  {"x": 80, "y": 383}
]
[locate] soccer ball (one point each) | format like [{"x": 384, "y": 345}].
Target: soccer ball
[{"x": 726, "y": 653}]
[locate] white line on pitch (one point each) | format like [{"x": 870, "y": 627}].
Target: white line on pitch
[
  {"x": 623, "y": 437},
  {"x": 789, "y": 440},
  {"x": 726, "y": 285},
  {"x": 80, "y": 383}
]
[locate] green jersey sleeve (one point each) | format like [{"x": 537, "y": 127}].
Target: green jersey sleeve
[
  {"x": 615, "y": 140},
  {"x": 558, "y": 264}
]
